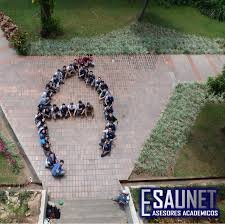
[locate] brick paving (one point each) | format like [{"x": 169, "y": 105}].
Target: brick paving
[{"x": 141, "y": 86}]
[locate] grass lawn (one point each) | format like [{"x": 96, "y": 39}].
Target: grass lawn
[
  {"x": 93, "y": 17},
  {"x": 6, "y": 173},
  {"x": 79, "y": 18},
  {"x": 185, "y": 19},
  {"x": 204, "y": 154}
]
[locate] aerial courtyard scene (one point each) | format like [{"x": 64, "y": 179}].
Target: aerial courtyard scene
[{"x": 101, "y": 98}]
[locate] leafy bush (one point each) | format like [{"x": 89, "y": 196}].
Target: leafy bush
[
  {"x": 20, "y": 42},
  {"x": 172, "y": 130},
  {"x": 175, "y": 2},
  {"x": 3, "y": 197},
  {"x": 214, "y": 9},
  {"x": 217, "y": 85},
  {"x": 137, "y": 38}
]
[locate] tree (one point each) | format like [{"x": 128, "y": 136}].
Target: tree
[
  {"x": 49, "y": 26},
  {"x": 141, "y": 16}
]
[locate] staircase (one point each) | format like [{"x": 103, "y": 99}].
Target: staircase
[{"x": 91, "y": 211}]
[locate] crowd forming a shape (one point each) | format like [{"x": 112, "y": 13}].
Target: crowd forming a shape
[{"x": 46, "y": 111}]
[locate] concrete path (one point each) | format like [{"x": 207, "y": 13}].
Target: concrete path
[
  {"x": 92, "y": 211},
  {"x": 141, "y": 86}
]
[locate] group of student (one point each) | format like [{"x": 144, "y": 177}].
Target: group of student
[{"x": 80, "y": 68}]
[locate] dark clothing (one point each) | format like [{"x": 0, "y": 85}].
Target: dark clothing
[{"x": 111, "y": 119}]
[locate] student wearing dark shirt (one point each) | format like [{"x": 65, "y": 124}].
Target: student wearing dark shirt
[
  {"x": 108, "y": 100},
  {"x": 82, "y": 73},
  {"x": 80, "y": 108},
  {"x": 111, "y": 118},
  {"x": 47, "y": 113},
  {"x": 111, "y": 125},
  {"x": 55, "y": 112},
  {"x": 109, "y": 135},
  {"x": 63, "y": 70},
  {"x": 102, "y": 86},
  {"x": 51, "y": 160},
  {"x": 108, "y": 110},
  {"x": 64, "y": 111},
  {"x": 89, "y": 110},
  {"x": 38, "y": 117},
  {"x": 98, "y": 82},
  {"x": 106, "y": 149}
]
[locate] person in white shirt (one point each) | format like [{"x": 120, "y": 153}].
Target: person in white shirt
[{"x": 72, "y": 109}]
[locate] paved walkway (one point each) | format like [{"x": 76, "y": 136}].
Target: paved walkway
[{"x": 141, "y": 86}]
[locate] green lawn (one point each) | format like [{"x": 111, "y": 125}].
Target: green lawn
[
  {"x": 185, "y": 19},
  {"x": 204, "y": 154},
  {"x": 94, "y": 17},
  {"x": 6, "y": 174},
  {"x": 78, "y": 18}
]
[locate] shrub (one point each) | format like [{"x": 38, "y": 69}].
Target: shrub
[
  {"x": 217, "y": 85},
  {"x": 137, "y": 38},
  {"x": 214, "y": 9},
  {"x": 20, "y": 42},
  {"x": 3, "y": 197}
]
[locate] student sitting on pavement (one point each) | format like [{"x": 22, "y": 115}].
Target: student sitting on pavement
[
  {"x": 72, "y": 109},
  {"x": 55, "y": 112},
  {"x": 43, "y": 141},
  {"x": 111, "y": 125},
  {"x": 38, "y": 117},
  {"x": 88, "y": 60},
  {"x": 43, "y": 134},
  {"x": 40, "y": 123},
  {"x": 123, "y": 198},
  {"x": 64, "y": 111},
  {"x": 47, "y": 113},
  {"x": 47, "y": 148},
  {"x": 76, "y": 66},
  {"x": 51, "y": 87},
  {"x": 57, "y": 170},
  {"x": 103, "y": 94},
  {"x": 90, "y": 79},
  {"x": 109, "y": 134},
  {"x": 109, "y": 99},
  {"x": 45, "y": 102},
  {"x": 59, "y": 76},
  {"x": 89, "y": 110},
  {"x": 80, "y": 108},
  {"x": 70, "y": 71},
  {"x": 111, "y": 118},
  {"x": 55, "y": 82},
  {"x": 106, "y": 148},
  {"x": 102, "y": 86},
  {"x": 64, "y": 71},
  {"x": 82, "y": 73},
  {"x": 98, "y": 82},
  {"x": 108, "y": 110},
  {"x": 44, "y": 127},
  {"x": 50, "y": 160}
]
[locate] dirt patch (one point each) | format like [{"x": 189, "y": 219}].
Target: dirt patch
[{"x": 19, "y": 206}]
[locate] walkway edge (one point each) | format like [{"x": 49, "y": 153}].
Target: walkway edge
[
  {"x": 36, "y": 179},
  {"x": 133, "y": 212}
]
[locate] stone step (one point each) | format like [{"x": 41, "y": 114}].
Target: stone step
[{"x": 92, "y": 211}]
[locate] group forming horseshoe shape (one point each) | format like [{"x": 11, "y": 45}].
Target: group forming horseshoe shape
[{"x": 80, "y": 68}]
